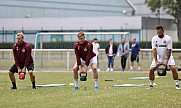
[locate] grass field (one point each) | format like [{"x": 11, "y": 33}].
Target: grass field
[{"x": 163, "y": 95}]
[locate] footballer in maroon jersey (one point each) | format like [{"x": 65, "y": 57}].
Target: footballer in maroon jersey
[
  {"x": 84, "y": 56},
  {"x": 23, "y": 59}
]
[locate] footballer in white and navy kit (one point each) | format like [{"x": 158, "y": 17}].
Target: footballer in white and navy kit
[{"x": 162, "y": 52}]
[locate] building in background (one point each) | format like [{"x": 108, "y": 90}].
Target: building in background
[{"x": 32, "y": 16}]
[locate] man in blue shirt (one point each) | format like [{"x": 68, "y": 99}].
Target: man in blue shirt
[{"x": 135, "y": 48}]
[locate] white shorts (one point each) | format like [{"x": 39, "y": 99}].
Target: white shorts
[
  {"x": 93, "y": 60},
  {"x": 170, "y": 62}
]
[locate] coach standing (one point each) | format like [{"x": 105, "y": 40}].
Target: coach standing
[{"x": 23, "y": 59}]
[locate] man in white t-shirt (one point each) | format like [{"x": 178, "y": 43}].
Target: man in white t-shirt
[
  {"x": 96, "y": 48},
  {"x": 162, "y": 52}
]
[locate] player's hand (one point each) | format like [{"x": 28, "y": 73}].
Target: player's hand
[
  {"x": 80, "y": 69},
  {"x": 157, "y": 63},
  {"x": 24, "y": 70},
  {"x": 19, "y": 70},
  {"x": 165, "y": 63},
  {"x": 85, "y": 68}
]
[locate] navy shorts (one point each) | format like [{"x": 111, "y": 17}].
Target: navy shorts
[
  {"x": 14, "y": 69},
  {"x": 134, "y": 58}
]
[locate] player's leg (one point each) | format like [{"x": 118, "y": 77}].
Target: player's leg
[
  {"x": 98, "y": 68},
  {"x": 12, "y": 77},
  {"x": 32, "y": 76},
  {"x": 139, "y": 65},
  {"x": 95, "y": 73},
  {"x": 109, "y": 63},
  {"x": 75, "y": 76},
  {"x": 112, "y": 63},
  {"x": 122, "y": 63},
  {"x": 132, "y": 62},
  {"x": 151, "y": 73},
  {"x": 171, "y": 64},
  {"x": 175, "y": 75}
]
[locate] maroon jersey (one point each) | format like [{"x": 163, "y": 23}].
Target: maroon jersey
[
  {"x": 22, "y": 54},
  {"x": 84, "y": 51}
]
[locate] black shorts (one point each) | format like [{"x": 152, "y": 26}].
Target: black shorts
[
  {"x": 134, "y": 58},
  {"x": 14, "y": 69}
]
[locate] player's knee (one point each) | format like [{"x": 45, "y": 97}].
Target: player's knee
[
  {"x": 151, "y": 70},
  {"x": 94, "y": 69},
  {"x": 172, "y": 67},
  {"x": 30, "y": 73},
  {"x": 10, "y": 73},
  {"x": 75, "y": 69}
]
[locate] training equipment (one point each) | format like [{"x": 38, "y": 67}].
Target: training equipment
[
  {"x": 139, "y": 78},
  {"x": 71, "y": 84},
  {"x": 83, "y": 77},
  {"x": 129, "y": 85},
  {"x": 50, "y": 85},
  {"x": 162, "y": 71},
  {"x": 109, "y": 80},
  {"x": 50, "y": 48},
  {"x": 21, "y": 75},
  {"x": 107, "y": 87}
]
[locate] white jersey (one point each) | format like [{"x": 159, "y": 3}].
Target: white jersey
[
  {"x": 96, "y": 47},
  {"x": 161, "y": 45}
]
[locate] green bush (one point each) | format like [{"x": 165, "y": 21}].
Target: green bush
[
  {"x": 69, "y": 45},
  {"x": 9, "y": 45}
]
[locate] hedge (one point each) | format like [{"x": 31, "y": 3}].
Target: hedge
[{"x": 69, "y": 45}]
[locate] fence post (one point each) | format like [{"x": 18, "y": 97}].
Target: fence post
[{"x": 68, "y": 59}]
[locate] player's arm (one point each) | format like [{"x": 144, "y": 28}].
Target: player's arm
[
  {"x": 127, "y": 49},
  {"x": 16, "y": 59},
  {"x": 116, "y": 49},
  {"x": 89, "y": 54},
  {"x": 138, "y": 48},
  {"x": 77, "y": 57},
  {"x": 154, "y": 46},
  {"x": 27, "y": 58},
  {"x": 169, "y": 50}
]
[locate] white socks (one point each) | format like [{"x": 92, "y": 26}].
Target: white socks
[
  {"x": 76, "y": 82},
  {"x": 176, "y": 82},
  {"x": 96, "y": 82},
  {"x": 151, "y": 82},
  {"x": 131, "y": 68}
]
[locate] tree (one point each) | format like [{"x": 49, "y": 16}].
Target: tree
[{"x": 171, "y": 7}]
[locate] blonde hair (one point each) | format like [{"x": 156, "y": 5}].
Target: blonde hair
[{"x": 22, "y": 35}]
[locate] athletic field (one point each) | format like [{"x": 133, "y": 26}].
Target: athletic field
[{"x": 163, "y": 95}]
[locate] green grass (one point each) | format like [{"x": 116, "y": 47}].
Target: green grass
[{"x": 164, "y": 94}]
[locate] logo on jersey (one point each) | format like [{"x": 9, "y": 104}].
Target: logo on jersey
[
  {"x": 85, "y": 49},
  {"x": 17, "y": 48},
  {"x": 164, "y": 41},
  {"x": 78, "y": 47},
  {"x": 23, "y": 50}
]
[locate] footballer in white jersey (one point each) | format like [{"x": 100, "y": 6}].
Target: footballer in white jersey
[
  {"x": 162, "y": 54},
  {"x": 161, "y": 45}
]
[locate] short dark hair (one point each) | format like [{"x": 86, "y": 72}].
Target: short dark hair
[
  {"x": 80, "y": 33},
  {"x": 159, "y": 27},
  {"x": 95, "y": 38}
]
